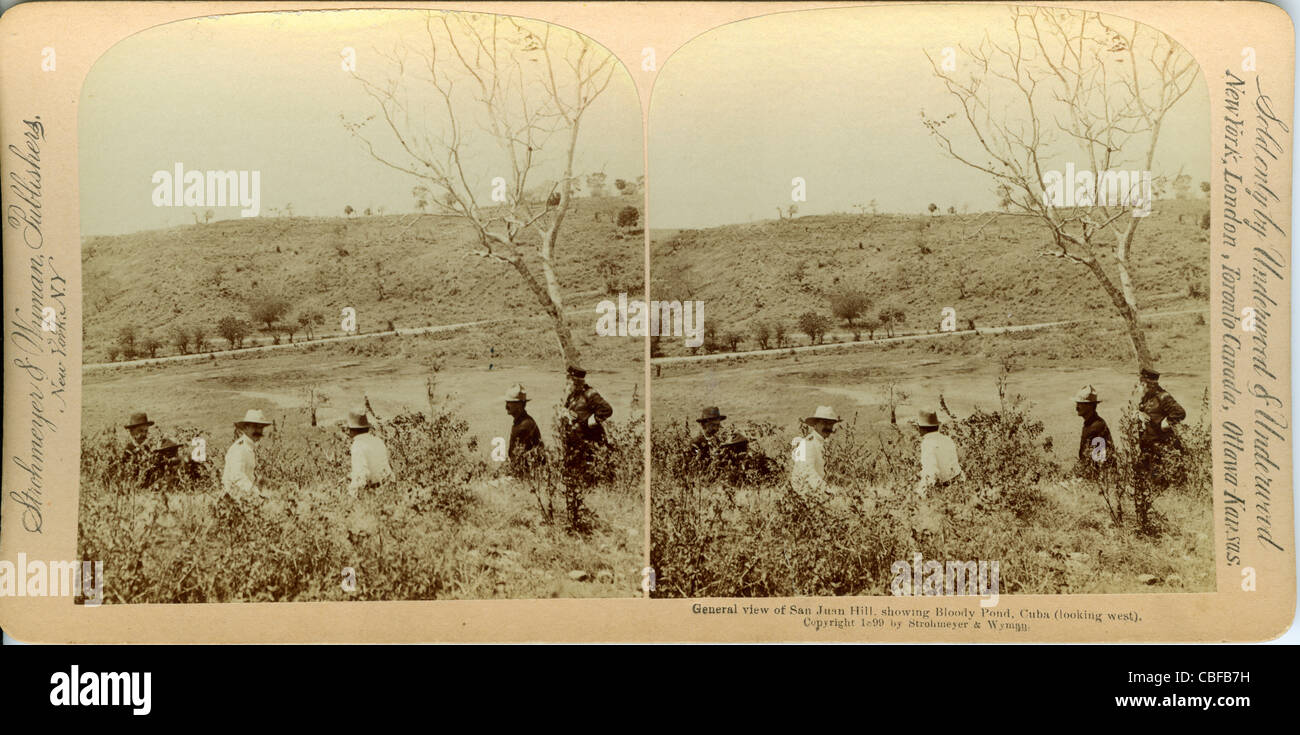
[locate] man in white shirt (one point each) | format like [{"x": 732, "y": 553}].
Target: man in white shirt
[
  {"x": 369, "y": 455},
  {"x": 239, "y": 475},
  {"x": 808, "y": 465},
  {"x": 939, "y": 465}
]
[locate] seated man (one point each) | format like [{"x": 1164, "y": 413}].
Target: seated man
[
  {"x": 706, "y": 444},
  {"x": 138, "y": 440},
  {"x": 939, "y": 465}
]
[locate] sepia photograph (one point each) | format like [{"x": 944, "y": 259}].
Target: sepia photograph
[
  {"x": 653, "y": 322},
  {"x": 340, "y": 270},
  {"x": 954, "y": 264}
]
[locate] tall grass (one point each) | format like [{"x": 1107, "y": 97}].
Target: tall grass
[
  {"x": 753, "y": 534},
  {"x": 424, "y": 535}
]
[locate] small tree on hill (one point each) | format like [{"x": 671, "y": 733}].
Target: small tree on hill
[
  {"x": 871, "y": 324},
  {"x": 814, "y": 325},
  {"x": 762, "y": 334},
  {"x": 779, "y": 333},
  {"x": 151, "y": 344},
  {"x": 348, "y": 210},
  {"x": 233, "y": 330},
  {"x": 268, "y": 310},
  {"x": 127, "y": 337},
  {"x": 628, "y": 216},
  {"x": 849, "y": 306},
  {"x": 199, "y": 338},
  {"x": 180, "y": 338},
  {"x": 889, "y": 317},
  {"x": 308, "y": 320}
]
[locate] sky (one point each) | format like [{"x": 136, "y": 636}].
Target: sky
[
  {"x": 264, "y": 92},
  {"x": 832, "y": 96}
]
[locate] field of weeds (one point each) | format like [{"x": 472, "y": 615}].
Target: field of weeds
[
  {"x": 742, "y": 530},
  {"x": 452, "y": 525}
]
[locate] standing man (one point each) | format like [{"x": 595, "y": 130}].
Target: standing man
[
  {"x": 808, "y": 465},
  {"x": 587, "y": 410},
  {"x": 939, "y": 464},
  {"x": 524, "y": 434},
  {"x": 585, "y": 406},
  {"x": 705, "y": 446},
  {"x": 1159, "y": 413},
  {"x": 240, "y": 473},
  {"x": 369, "y": 455},
  {"x": 1095, "y": 449}
]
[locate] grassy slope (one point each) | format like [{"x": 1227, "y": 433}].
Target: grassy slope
[
  {"x": 160, "y": 278},
  {"x": 749, "y": 272}
]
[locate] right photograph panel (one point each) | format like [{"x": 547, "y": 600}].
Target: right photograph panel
[{"x": 933, "y": 293}]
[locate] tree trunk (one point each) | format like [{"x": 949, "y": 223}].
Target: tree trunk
[
  {"x": 1127, "y": 310},
  {"x": 549, "y": 298}
]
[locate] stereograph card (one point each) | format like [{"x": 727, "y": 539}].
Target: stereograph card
[{"x": 842, "y": 322}]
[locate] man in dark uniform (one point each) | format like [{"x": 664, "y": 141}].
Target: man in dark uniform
[
  {"x": 139, "y": 443},
  {"x": 524, "y": 434},
  {"x": 139, "y": 463},
  {"x": 585, "y": 410},
  {"x": 705, "y": 446},
  {"x": 1095, "y": 448},
  {"x": 585, "y": 406},
  {"x": 1159, "y": 413}
]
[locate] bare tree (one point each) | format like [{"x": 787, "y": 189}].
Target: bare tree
[
  {"x": 1065, "y": 86},
  {"x": 525, "y": 85}
]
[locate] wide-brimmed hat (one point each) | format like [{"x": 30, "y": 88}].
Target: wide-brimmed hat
[
  {"x": 138, "y": 419},
  {"x": 928, "y": 419},
  {"x": 824, "y": 413},
  {"x": 253, "y": 416},
  {"x": 710, "y": 414},
  {"x": 1087, "y": 394},
  {"x": 1149, "y": 373},
  {"x": 168, "y": 449},
  {"x": 576, "y": 371},
  {"x": 517, "y": 394},
  {"x": 358, "y": 420}
]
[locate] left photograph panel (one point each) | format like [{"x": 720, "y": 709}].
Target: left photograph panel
[{"x": 341, "y": 277}]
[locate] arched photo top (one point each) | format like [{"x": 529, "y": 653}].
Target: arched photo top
[
  {"x": 856, "y": 102},
  {"x": 355, "y": 108}
]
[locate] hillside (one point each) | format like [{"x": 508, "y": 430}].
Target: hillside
[
  {"x": 984, "y": 266},
  {"x": 417, "y": 275}
]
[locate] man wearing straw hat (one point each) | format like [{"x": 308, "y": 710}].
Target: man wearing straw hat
[
  {"x": 1095, "y": 448},
  {"x": 369, "y": 455},
  {"x": 524, "y": 434},
  {"x": 808, "y": 468},
  {"x": 239, "y": 475},
  {"x": 939, "y": 465}
]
